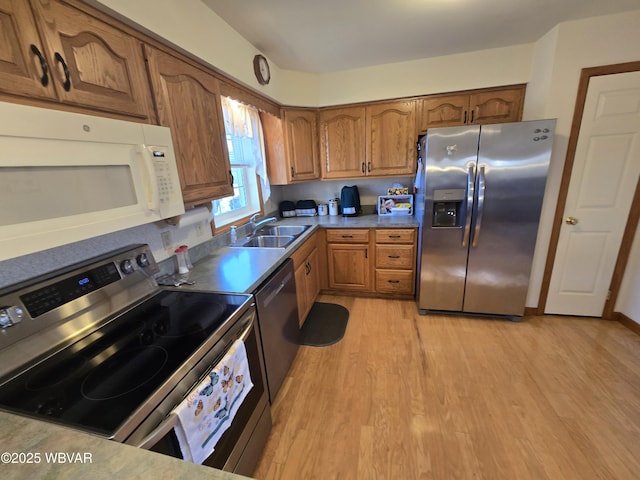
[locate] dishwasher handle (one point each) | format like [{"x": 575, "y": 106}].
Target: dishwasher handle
[{"x": 275, "y": 290}]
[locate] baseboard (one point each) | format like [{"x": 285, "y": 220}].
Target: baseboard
[{"x": 627, "y": 322}]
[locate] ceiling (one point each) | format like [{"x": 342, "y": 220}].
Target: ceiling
[{"x": 321, "y": 36}]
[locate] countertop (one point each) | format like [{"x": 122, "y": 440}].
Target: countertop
[
  {"x": 29, "y": 448},
  {"x": 242, "y": 270}
]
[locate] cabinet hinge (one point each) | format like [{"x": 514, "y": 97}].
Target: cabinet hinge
[{"x": 608, "y": 294}]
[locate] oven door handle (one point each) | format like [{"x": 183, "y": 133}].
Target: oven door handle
[
  {"x": 160, "y": 431},
  {"x": 171, "y": 421}
]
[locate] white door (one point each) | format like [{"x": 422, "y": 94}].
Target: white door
[{"x": 603, "y": 180}]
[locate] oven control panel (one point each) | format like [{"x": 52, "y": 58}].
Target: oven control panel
[
  {"x": 52, "y": 296},
  {"x": 39, "y": 314}
]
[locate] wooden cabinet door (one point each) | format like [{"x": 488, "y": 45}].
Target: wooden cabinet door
[
  {"x": 443, "y": 111},
  {"x": 301, "y": 293},
  {"x": 21, "y": 70},
  {"x": 301, "y": 130},
  {"x": 342, "y": 142},
  {"x": 92, "y": 63},
  {"x": 307, "y": 285},
  {"x": 498, "y": 106},
  {"x": 349, "y": 267},
  {"x": 188, "y": 102},
  {"x": 391, "y": 141},
  {"x": 313, "y": 277}
]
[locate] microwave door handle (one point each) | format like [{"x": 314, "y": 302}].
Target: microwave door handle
[
  {"x": 152, "y": 193},
  {"x": 160, "y": 431},
  {"x": 469, "y": 205},
  {"x": 480, "y": 207}
]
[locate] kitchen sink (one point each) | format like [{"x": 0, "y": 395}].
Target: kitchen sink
[
  {"x": 269, "y": 241},
  {"x": 282, "y": 230},
  {"x": 273, "y": 236}
]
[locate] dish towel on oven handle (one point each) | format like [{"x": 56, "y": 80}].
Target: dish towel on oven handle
[{"x": 208, "y": 410}]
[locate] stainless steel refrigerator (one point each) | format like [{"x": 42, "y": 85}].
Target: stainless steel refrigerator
[{"x": 478, "y": 199}]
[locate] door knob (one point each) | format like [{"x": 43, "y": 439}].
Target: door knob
[{"x": 571, "y": 221}]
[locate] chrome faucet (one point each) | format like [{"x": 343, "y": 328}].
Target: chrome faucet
[{"x": 257, "y": 224}]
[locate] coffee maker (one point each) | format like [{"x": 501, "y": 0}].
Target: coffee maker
[{"x": 350, "y": 201}]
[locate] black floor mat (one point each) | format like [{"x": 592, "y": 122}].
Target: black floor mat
[{"x": 325, "y": 324}]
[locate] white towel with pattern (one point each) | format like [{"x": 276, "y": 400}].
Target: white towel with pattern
[{"x": 207, "y": 412}]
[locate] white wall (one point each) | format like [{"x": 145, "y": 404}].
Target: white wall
[
  {"x": 559, "y": 58},
  {"x": 480, "y": 69}
]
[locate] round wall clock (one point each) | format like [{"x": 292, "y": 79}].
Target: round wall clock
[{"x": 261, "y": 69}]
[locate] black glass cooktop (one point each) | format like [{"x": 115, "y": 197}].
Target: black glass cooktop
[{"x": 99, "y": 381}]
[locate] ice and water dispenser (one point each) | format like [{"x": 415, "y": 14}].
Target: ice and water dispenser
[{"x": 447, "y": 207}]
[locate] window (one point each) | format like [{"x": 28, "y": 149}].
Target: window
[{"x": 246, "y": 155}]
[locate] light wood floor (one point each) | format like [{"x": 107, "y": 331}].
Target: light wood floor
[{"x": 405, "y": 396}]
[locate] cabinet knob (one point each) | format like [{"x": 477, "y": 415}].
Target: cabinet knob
[{"x": 571, "y": 221}]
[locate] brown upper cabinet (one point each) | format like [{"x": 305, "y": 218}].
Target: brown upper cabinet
[
  {"x": 391, "y": 138},
  {"x": 301, "y": 138},
  {"x": 373, "y": 140},
  {"x": 475, "y": 108},
  {"x": 342, "y": 142},
  {"x": 53, "y": 51},
  {"x": 292, "y": 146},
  {"x": 188, "y": 101}
]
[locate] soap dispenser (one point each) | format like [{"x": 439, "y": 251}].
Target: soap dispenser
[{"x": 184, "y": 264}]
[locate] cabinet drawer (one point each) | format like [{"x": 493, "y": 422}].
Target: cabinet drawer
[
  {"x": 395, "y": 235},
  {"x": 348, "y": 235},
  {"x": 395, "y": 256},
  {"x": 394, "y": 281}
]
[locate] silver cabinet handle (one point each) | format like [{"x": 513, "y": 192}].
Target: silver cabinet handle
[
  {"x": 479, "y": 207},
  {"x": 469, "y": 206}
]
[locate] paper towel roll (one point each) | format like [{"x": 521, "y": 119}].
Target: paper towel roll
[{"x": 194, "y": 216}]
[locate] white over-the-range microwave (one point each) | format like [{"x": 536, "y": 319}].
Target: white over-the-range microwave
[{"x": 66, "y": 177}]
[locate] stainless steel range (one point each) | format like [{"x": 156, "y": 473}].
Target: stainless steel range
[{"x": 100, "y": 347}]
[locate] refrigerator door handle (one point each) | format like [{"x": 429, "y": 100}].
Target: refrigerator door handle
[
  {"x": 469, "y": 206},
  {"x": 479, "y": 207}
]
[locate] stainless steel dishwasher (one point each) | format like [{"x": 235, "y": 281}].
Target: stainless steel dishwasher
[{"x": 278, "y": 324}]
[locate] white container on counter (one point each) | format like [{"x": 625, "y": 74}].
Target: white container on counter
[
  {"x": 323, "y": 209},
  {"x": 333, "y": 207}
]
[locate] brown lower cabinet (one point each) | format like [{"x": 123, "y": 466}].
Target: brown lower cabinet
[
  {"x": 306, "y": 267},
  {"x": 395, "y": 261},
  {"x": 371, "y": 260}
]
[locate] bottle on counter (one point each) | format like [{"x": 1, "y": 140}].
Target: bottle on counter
[
  {"x": 233, "y": 234},
  {"x": 333, "y": 207},
  {"x": 184, "y": 263}
]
